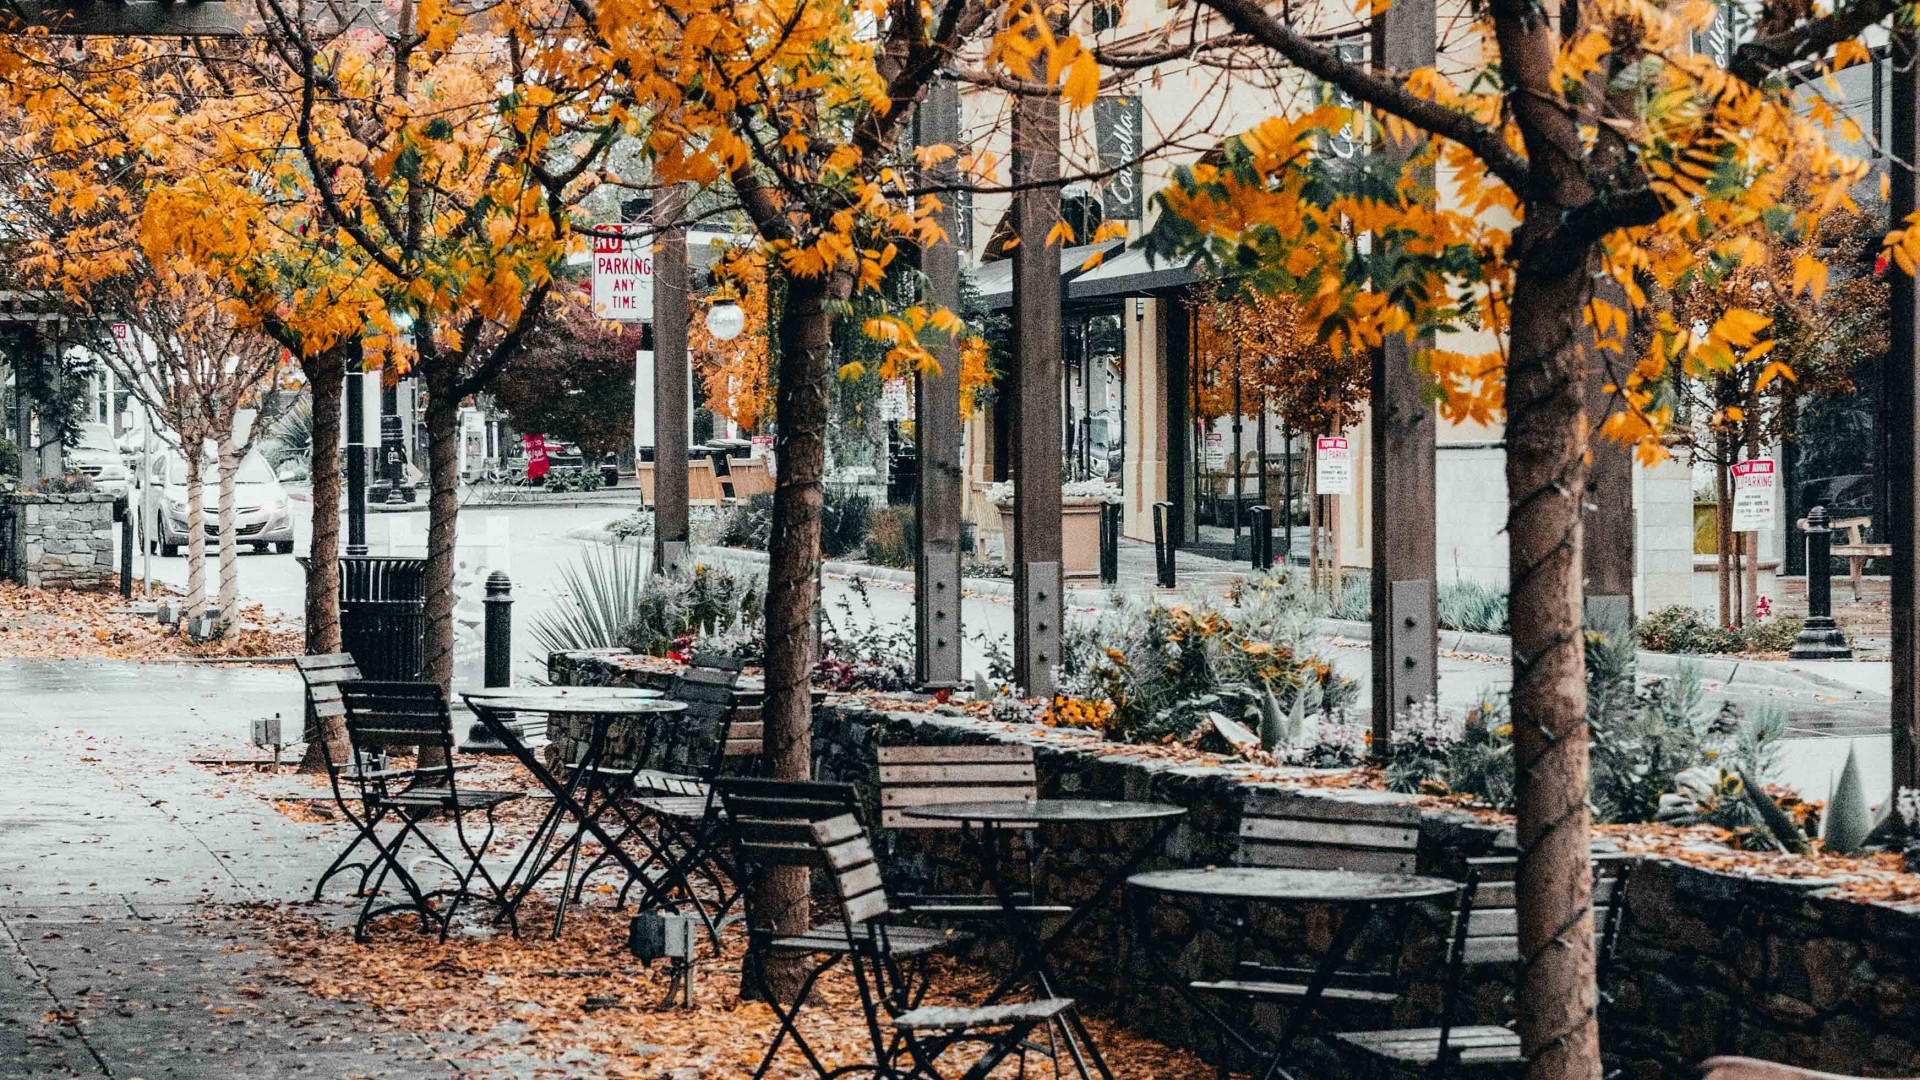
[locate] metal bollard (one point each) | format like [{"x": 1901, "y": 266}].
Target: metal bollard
[
  {"x": 497, "y": 633},
  {"x": 126, "y": 548},
  {"x": 1110, "y": 543},
  {"x": 1262, "y": 537},
  {"x": 1820, "y": 637},
  {"x": 1163, "y": 545}
]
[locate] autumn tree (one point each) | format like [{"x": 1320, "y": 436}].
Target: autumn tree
[
  {"x": 736, "y": 377},
  {"x": 574, "y": 382},
  {"x": 1260, "y": 347},
  {"x": 447, "y": 155},
  {"x": 1571, "y": 141},
  {"x": 1727, "y": 411}
]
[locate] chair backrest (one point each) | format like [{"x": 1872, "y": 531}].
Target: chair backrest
[
  {"x": 1350, "y": 831},
  {"x": 715, "y": 702},
  {"x": 1742, "y": 1068},
  {"x": 381, "y": 715},
  {"x": 323, "y": 675},
  {"x": 923, "y": 775},
  {"x": 772, "y": 821},
  {"x": 847, "y": 856},
  {"x": 1493, "y": 926}
]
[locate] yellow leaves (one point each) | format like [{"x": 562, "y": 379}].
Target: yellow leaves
[
  {"x": 1082, "y": 83},
  {"x": 1903, "y": 245},
  {"x": 1809, "y": 274},
  {"x": 1739, "y": 327}
]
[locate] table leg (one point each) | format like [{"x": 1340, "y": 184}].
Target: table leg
[{"x": 1351, "y": 923}]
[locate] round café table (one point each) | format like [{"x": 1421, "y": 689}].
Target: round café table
[
  {"x": 1359, "y": 896},
  {"x": 981, "y": 823},
  {"x": 600, "y": 706}
]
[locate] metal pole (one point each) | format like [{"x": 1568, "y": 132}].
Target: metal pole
[
  {"x": 125, "y": 509},
  {"x": 1038, "y": 609},
  {"x": 1237, "y": 474},
  {"x": 393, "y": 447},
  {"x": 937, "y": 428},
  {"x": 498, "y": 646},
  {"x": 355, "y": 400},
  {"x": 1286, "y": 451},
  {"x": 671, "y": 311},
  {"x": 1900, "y": 395},
  {"x": 1820, "y": 638},
  {"x": 1163, "y": 544}
]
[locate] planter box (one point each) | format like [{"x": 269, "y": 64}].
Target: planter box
[{"x": 1079, "y": 536}]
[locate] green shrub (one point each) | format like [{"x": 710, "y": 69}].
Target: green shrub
[
  {"x": 609, "y": 599},
  {"x": 843, "y": 524},
  {"x": 1681, "y": 629},
  {"x": 748, "y": 524},
  {"x": 9, "y": 458},
  {"x": 1470, "y": 605},
  {"x": 599, "y": 595},
  {"x": 1355, "y": 600},
  {"x": 892, "y": 535}
]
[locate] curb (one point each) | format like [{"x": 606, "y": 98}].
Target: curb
[{"x": 1728, "y": 671}]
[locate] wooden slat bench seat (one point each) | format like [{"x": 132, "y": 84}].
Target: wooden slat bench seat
[
  {"x": 1419, "y": 1048},
  {"x": 1357, "y": 831},
  {"x": 913, "y": 776},
  {"x": 1854, "y": 550}
]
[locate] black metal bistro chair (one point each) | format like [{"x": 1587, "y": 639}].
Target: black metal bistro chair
[
  {"x": 381, "y": 716},
  {"x": 810, "y": 825},
  {"x": 1485, "y": 933}
]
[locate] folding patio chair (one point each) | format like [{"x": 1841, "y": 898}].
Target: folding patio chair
[
  {"x": 913, "y": 776},
  {"x": 383, "y": 715},
  {"x": 1485, "y": 933},
  {"x": 676, "y": 814},
  {"x": 793, "y": 824}
]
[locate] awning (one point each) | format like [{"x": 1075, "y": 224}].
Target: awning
[
  {"x": 1133, "y": 272},
  {"x": 994, "y": 280}
]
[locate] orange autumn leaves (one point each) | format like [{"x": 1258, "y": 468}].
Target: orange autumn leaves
[{"x": 1733, "y": 166}]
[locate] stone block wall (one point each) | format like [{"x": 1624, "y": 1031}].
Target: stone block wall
[
  {"x": 57, "y": 541},
  {"x": 1708, "y": 963}
]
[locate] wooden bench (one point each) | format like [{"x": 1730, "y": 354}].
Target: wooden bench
[
  {"x": 1493, "y": 925},
  {"x": 1741, "y": 1068},
  {"x": 1854, "y": 550}
]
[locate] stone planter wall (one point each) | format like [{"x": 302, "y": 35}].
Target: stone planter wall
[
  {"x": 57, "y": 541},
  {"x": 1708, "y": 963}
]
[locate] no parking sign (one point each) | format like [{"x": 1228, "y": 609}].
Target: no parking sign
[{"x": 1756, "y": 487}]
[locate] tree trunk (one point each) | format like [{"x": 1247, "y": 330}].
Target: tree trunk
[
  {"x": 1546, "y": 472},
  {"x": 196, "y": 530},
  {"x": 792, "y": 576},
  {"x": 443, "y": 511},
  {"x": 324, "y": 374},
  {"x": 229, "y": 540}
]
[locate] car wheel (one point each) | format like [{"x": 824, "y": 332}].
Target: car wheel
[
  {"x": 168, "y": 548},
  {"x": 284, "y": 547}
]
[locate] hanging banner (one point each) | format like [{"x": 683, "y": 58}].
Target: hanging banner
[
  {"x": 622, "y": 275},
  {"x": 1117, "y": 125},
  {"x": 1333, "y": 465},
  {"x": 1756, "y": 487}
]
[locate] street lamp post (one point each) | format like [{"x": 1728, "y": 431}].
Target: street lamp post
[{"x": 356, "y": 410}]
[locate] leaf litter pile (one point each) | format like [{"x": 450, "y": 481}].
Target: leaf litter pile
[
  {"x": 583, "y": 1006},
  {"x": 59, "y": 624}
]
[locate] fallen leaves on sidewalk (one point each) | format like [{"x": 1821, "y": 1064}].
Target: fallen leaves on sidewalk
[
  {"x": 62, "y": 624},
  {"x": 582, "y": 1007}
]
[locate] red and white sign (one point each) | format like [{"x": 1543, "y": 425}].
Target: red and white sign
[
  {"x": 536, "y": 447},
  {"x": 1216, "y": 451},
  {"x": 622, "y": 275},
  {"x": 121, "y": 333},
  {"x": 1333, "y": 465},
  {"x": 1756, "y": 491}
]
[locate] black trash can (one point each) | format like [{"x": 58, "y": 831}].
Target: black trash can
[{"x": 383, "y": 615}]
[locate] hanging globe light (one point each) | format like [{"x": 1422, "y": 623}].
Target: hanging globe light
[{"x": 726, "y": 319}]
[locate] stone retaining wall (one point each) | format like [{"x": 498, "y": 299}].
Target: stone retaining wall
[
  {"x": 1708, "y": 963},
  {"x": 63, "y": 541}
]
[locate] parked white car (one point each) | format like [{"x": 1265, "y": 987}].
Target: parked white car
[
  {"x": 260, "y": 518},
  {"x": 95, "y": 455}
]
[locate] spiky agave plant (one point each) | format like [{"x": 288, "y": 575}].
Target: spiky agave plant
[{"x": 600, "y": 596}]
